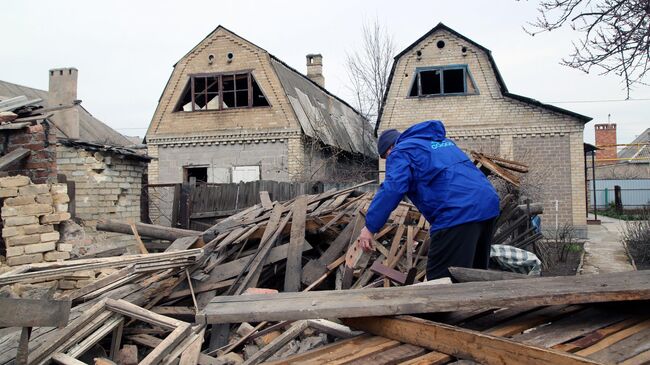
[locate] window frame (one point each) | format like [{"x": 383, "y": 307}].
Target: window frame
[
  {"x": 190, "y": 84},
  {"x": 417, "y": 79}
]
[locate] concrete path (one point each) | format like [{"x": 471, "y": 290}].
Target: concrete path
[{"x": 604, "y": 250}]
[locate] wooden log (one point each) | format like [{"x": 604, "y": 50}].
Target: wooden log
[
  {"x": 625, "y": 286},
  {"x": 463, "y": 343},
  {"x": 465, "y": 275},
  {"x": 146, "y": 230}
]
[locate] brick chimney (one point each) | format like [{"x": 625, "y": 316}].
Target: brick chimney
[
  {"x": 606, "y": 141},
  {"x": 63, "y": 92},
  {"x": 315, "y": 69}
]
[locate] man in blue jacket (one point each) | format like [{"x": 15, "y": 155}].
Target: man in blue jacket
[{"x": 454, "y": 196}]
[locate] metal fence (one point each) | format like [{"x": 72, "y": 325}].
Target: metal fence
[{"x": 635, "y": 194}]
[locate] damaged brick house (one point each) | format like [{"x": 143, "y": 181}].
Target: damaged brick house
[
  {"x": 447, "y": 76},
  {"x": 107, "y": 174},
  {"x": 233, "y": 112}
]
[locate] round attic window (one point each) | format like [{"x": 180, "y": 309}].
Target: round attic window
[{"x": 441, "y": 44}]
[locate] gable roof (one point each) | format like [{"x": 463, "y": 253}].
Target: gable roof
[
  {"x": 91, "y": 129},
  {"x": 321, "y": 114},
  {"x": 500, "y": 81},
  {"x": 640, "y": 148}
]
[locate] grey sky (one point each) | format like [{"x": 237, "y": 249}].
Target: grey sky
[{"x": 125, "y": 50}]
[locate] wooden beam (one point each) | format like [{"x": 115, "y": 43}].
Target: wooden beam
[
  {"x": 463, "y": 343},
  {"x": 293, "y": 271},
  {"x": 625, "y": 286}
]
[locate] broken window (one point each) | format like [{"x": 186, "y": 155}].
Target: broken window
[
  {"x": 221, "y": 91},
  {"x": 447, "y": 80},
  {"x": 195, "y": 174}
]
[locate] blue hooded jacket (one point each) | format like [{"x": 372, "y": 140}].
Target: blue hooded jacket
[{"x": 437, "y": 177}]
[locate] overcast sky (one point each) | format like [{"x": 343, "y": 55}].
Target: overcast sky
[{"x": 125, "y": 50}]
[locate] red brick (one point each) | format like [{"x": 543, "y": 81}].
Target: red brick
[{"x": 36, "y": 128}]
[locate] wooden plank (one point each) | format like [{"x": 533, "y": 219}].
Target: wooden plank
[
  {"x": 138, "y": 240},
  {"x": 329, "y": 352},
  {"x": 568, "y": 328},
  {"x": 465, "y": 275},
  {"x": 61, "y": 358},
  {"x": 166, "y": 346},
  {"x": 315, "y": 268},
  {"x": 432, "y": 358},
  {"x": 614, "y": 338},
  {"x": 392, "y": 356},
  {"x": 152, "y": 342},
  {"x": 257, "y": 261},
  {"x": 293, "y": 271},
  {"x": 268, "y": 350},
  {"x": 191, "y": 354},
  {"x": 634, "y": 285},
  {"x": 134, "y": 311},
  {"x": 34, "y": 312},
  {"x": 266, "y": 200},
  {"x": 462, "y": 343},
  {"x": 626, "y": 348},
  {"x": 13, "y": 158}
]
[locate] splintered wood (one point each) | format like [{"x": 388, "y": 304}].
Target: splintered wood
[{"x": 254, "y": 287}]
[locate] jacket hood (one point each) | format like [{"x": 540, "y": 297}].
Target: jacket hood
[{"x": 430, "y": 130}]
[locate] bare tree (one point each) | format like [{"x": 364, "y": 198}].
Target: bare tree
[
  {"x": 369, "y": 67},
  {"x": 615, "y": 35}
]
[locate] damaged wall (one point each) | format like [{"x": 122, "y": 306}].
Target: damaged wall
[
  {"x": 107, "y": 186},
  {"x": 31, "y": 214},
  {"x": 40, "y": 165}
]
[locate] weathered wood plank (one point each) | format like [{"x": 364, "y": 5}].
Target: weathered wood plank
[
  {"x": 293, "y": 271},
  {"x": 34, "y": 312},
  {"x": 268, "y": 350},
  {"x": 465, "y": 275},
  {"x": 612, "y": 287},
  {"x": 462, "y": 343}
]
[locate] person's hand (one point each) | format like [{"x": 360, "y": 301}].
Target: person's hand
[{"x": 364, "y": 241}]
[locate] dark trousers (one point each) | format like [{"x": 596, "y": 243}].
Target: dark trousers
[{"x": 465, "y": 245}]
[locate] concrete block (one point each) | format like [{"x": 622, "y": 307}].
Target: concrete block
[
  {"x": 61, "y": 208},
  {"x": 20, "y": 200},
  {"x": 15, "y": 251},
  {"x": 25, "y": 259},
  {"x": 60, "y": 198},
  {"x": 38, "y": 228},
  {"x": 55, "y": 217},
  {"x": 66, "y": 284},
  {"x": 51, "y": 236},
  {"x": 56, "y": 256},
  {"x": 82, "y": 283},
  {"x": 8, "y": 192},
  {"x": 35, "y": 209},
  {"x": 34, "y": 189},
  {"x": 59, "y": 189},
  {"x": 44, "y": 199},
  {"x": 64, "y": 247},
  {"x": 29, "y": 239},
  {"x": 14, "y": 181},
  {"x": 40, "y": 247},
  {"x": 20, "y": 221},
  {"x": 12, "y": 231}
]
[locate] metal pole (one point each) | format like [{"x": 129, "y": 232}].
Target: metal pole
[{"x": 593, "y": 181}]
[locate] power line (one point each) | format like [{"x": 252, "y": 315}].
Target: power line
[{"x": 596, "y": 101}]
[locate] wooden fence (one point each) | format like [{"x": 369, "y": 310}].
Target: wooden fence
[{"x": 199, "y": 206}]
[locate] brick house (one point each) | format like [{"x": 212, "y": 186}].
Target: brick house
[
  {"x": 107, "y": 173},
  {"x": 447, "y": 76},
  {"x": 233, "y": 112}
]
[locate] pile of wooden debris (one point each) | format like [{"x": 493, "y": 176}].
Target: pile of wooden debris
[{"x": 284, "y": 282}]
